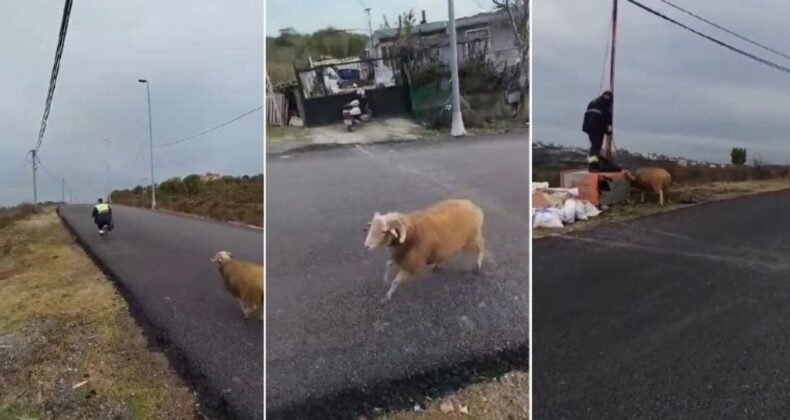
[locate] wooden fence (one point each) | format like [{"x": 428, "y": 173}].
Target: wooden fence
[{"x": 276, "y": 110}]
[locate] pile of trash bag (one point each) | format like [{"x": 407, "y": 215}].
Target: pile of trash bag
[{"x": 555, "y": 208}]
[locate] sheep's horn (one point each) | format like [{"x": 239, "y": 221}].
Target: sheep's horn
[{"x": 402, "y": 226}]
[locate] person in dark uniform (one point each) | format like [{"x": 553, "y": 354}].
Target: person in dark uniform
[{"x": 598, "y": 123}]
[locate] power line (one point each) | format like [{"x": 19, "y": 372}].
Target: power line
[
  {"x": 714, "y": 40},
  {"x": 64, "y": 24},
  {"x": 44, "y": 168},
  {"x": 725, "y": 29},
  {"x": 204, "y": 132}
]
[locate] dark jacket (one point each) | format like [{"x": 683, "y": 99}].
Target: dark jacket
[{"x": 598, "y": 116}]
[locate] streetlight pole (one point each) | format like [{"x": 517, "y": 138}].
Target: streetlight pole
[
  {"x": 107, "y": 169},
  {"x": 150, "y": 143},
  {"x": 457, "y": 129},
  {"x": 370, "y": 29}
]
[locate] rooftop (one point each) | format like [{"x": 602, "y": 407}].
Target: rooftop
[{"x": 440, "y": 26}]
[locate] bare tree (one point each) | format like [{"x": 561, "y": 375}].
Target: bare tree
[{"x": 518, "y": 13}]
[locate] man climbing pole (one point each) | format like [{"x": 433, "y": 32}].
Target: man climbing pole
[{"x": 597, "y": 124}]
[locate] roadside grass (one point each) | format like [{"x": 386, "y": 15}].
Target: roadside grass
[
  {"x": 286, "y": 133},
  {"x": 10, "y": 215},
  {"x": 69, "y": 349},
  {"x": 505, "y": 397}
]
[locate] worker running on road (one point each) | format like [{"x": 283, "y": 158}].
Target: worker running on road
[
  {"x": 102, "y": 216},
  {"x": 598, "y": 123}
]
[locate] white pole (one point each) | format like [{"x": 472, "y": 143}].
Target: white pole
[
  {"x": 150, "y": 144},
  {"x": 457, "y": 129},
  {"x": 107, "y": 169},
  {"x": 370, "y": 29}
]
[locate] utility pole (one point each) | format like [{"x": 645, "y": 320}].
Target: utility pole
[
  {"x": 150, "y": 144},
  {"x": 35, "y": 167},
  {"x": 107, "y": 168},
  {"x": 610, "y": 138},
  {"x": 457, "y": 129},
  {"x": 71, "y": 196},
  {"x": 63, "y": 191},
  {"x": 370, "y": 29}
]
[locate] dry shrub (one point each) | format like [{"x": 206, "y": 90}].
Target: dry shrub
[
  {"x": 10, "y": 215},
  {"x": 228, "y": 199}
]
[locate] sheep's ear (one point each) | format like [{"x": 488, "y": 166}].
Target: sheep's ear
[{"x": 230, "y": 255}]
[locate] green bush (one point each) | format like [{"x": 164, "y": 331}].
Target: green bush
[{"x": 738, "y": 156}]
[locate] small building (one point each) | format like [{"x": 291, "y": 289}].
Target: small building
[
  {"x": 487, "y": 33},
  {"x": 288, "y": 32},
  {"x": 210, "y": 176}
]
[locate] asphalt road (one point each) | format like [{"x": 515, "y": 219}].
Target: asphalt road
[
  {"x": 331, "y": 344},
  {"x": 682, "y": 315},
  {"x": 162, "y": 263}
]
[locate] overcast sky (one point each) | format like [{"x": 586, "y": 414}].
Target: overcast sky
[
  {"x": 350, "y": 14},
  {"x": 675, "y": 93},
  {"x": 204, "y": 61}
]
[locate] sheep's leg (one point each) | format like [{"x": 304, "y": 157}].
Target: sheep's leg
[
  {"x": 643, "y": 196},
  {"x": 387, "y": 272},
  {"x": 402, "y": 276},
  {"x": 244, "y": 309},
  {"x": 481, "y": 254},
  {"x": 661, "y": 197}
]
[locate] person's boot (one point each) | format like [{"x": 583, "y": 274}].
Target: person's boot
[{"x": 593, "y": 164}]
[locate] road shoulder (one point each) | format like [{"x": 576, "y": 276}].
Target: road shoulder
[{"x": 69, "y": 347}]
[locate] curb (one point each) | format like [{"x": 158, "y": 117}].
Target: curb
[{"x": 421, "y": 141}]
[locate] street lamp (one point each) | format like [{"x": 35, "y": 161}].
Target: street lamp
[
  {"x": 150, "y": 143},
  {"x": 107, "y": 168}
]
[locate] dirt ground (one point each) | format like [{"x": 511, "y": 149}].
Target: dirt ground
[
  {"x": 69, "y": 349},
  {"x": 502, "y": 398},
  {"x": 680, "y": 196}
]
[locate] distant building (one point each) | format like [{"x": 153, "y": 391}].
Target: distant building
[
  {"x": 487, "y": 33},
  {"x": 210, "y": 176}
]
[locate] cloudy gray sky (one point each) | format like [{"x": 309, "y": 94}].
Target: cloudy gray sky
[
  {"x": 308, "y": 16},
  {"x": 204, "y": 61},
  {"x": 676, "y": 93}
]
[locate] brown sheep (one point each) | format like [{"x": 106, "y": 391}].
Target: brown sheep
[
  {"x": 427, "y": 238},
  {"x": 243, "y": 280},
  {"x": 653, "y": 179}
]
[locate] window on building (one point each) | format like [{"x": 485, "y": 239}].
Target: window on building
[{"x": 477, "y": 42}]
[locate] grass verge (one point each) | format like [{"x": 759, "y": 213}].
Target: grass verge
[
  {"x": 505, "y": 397},
  {"x": 69, "y": 349}
]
